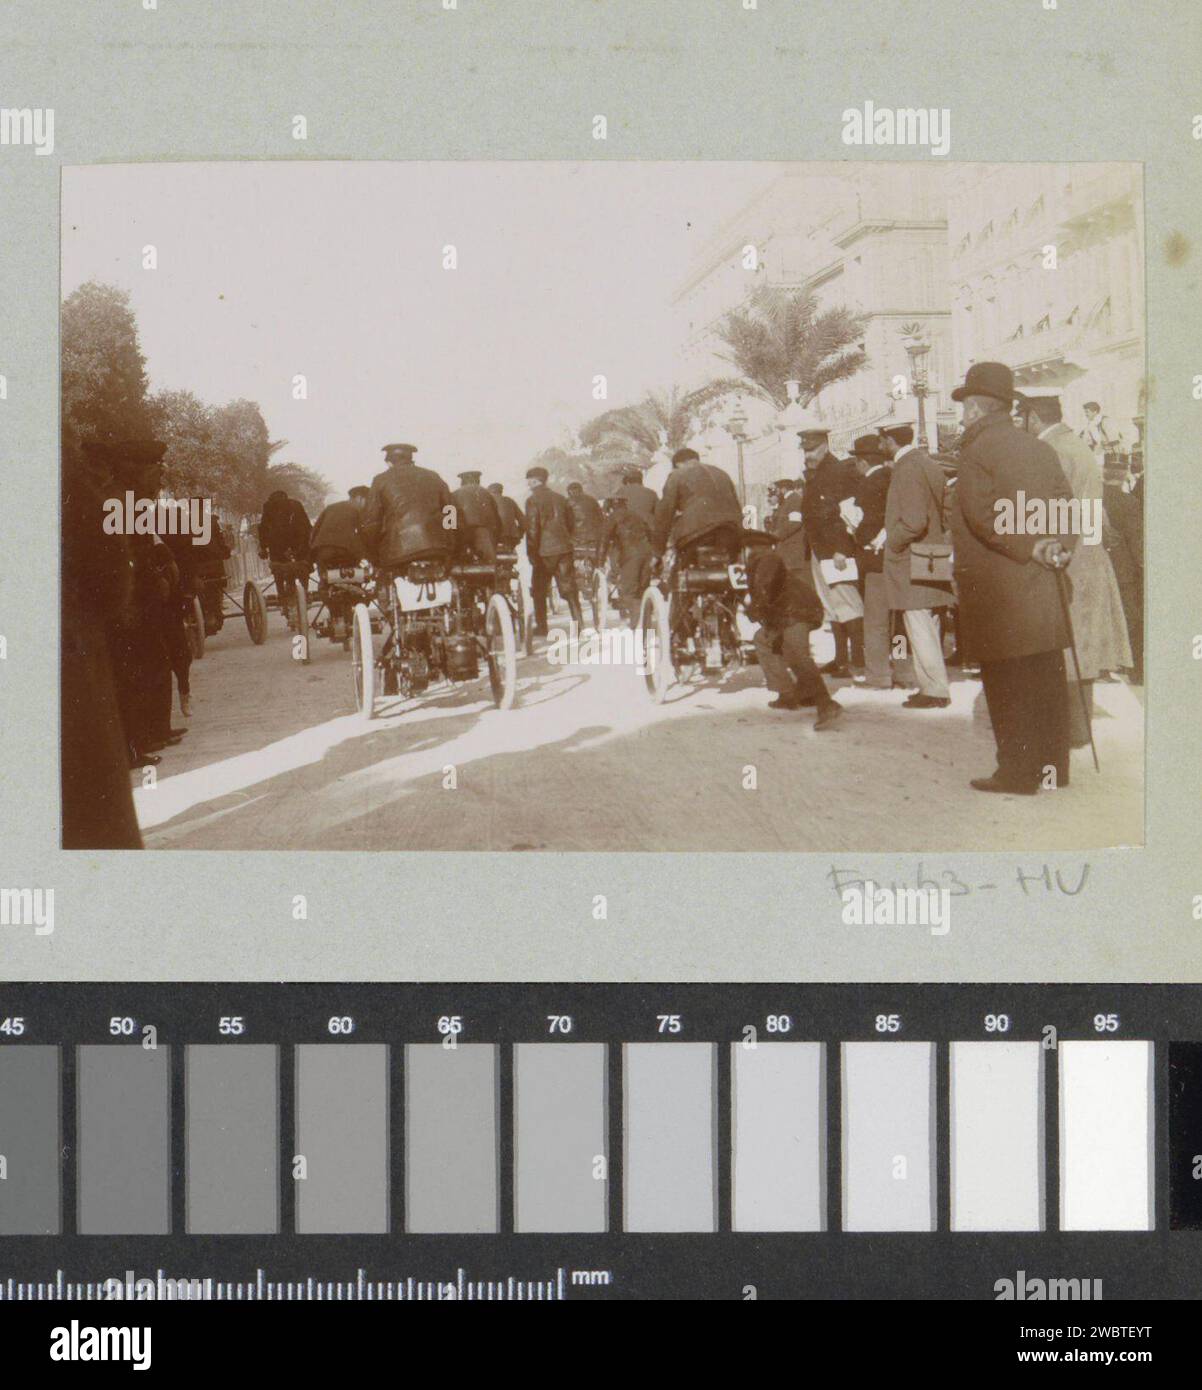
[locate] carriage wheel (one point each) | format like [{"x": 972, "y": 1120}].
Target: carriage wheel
[
  {"x": 363, "y": 661},
  {"x": 194, "y": 623},
  {"x": 656, "y": 640},
  {"x": 300, "y": 598},
  {"x": 254, "y": 610},
  {"x": 502, "y": 652}
]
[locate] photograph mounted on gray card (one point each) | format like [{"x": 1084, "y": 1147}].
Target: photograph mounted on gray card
[{"x": 608, "y": 506}]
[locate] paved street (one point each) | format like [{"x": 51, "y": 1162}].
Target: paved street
[{"x": 276, "y": 759}]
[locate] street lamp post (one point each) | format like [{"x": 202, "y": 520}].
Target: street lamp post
[
  {"x": 917, "y": 349},
  {"x": 736, "y": 427}
]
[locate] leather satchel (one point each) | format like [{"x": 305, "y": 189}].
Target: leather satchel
[{"x": 931, "y": 562}]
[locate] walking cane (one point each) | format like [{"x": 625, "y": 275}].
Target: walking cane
[{"x": 1062, "y": 590}]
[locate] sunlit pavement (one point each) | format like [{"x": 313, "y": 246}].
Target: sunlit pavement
[{"x": 276, "y": 758}]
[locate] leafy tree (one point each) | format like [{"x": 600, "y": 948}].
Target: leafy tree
[
  {"x": 780, "y": 335},
  {"x": 185, "y": 424},
  {"x": 243, "y": 451},
  {"x": 223, "y": 452},
  {"x": 103, "y": 370}
]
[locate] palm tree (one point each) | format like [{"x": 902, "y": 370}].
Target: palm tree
[
  {"x": 780, "y": 335},
  {"x": 668, "y": 419}
]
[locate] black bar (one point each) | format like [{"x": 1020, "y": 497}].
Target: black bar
[
  {"x": 1051, "y": 1138},
  {"x": 505, "y": 1138},
  {"x": 69, "y": 1130},
  {"x": 177, "y": 1138},
  {"x": 941, "y": 1137},
  {"x": 1182, "y": 1089},
  {"x": 614, "y": 1168},
  {"x": 833, "y": 1098},
  {"x": 723, "y": 1122},
  {"x": 287, "y": 1136},
  {"x": 396, "y": 1137}
]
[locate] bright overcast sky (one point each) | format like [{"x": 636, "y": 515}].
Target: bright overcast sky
[{"x": 334, "y": 271}]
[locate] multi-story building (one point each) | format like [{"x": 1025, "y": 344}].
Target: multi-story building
[
  {"x": 868, "y": 237},
  {"x": 1047, "y": 266},
  {"x": 1036, "y": 265}
]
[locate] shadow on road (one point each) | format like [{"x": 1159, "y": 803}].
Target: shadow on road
[{"x": 717, "y": 772}]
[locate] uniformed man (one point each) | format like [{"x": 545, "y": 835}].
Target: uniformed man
[
  {"x": 789, "y": 528},
  {"x": 410, "y": 513},
  {"x": 549, "y": 530},
  {"x": 513, "y": 522},
  {"x": 627, "y": 536},
  {"x": 479, "y": 518},
  {"x": 699, "y": 504},
  {"x": 337, "y": 538},
  {"x": 588, "y": 521},
  {"x": 828, "y": 482},
  {"x": 639, "y": 498}
]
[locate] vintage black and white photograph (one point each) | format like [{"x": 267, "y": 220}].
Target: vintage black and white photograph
[{"x": 603, "y": 506}]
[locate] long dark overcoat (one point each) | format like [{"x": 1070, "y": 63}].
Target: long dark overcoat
[{"x": 1009, "y": 605}]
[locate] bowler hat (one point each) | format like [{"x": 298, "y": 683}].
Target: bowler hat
[
  {"x": 900, "y": 434},
  {"x": 685, "y": 456},
  {"x": 993, "y": 379},
  {"x": 538, "y": 472},
  {"x": 868, "y": 446}
]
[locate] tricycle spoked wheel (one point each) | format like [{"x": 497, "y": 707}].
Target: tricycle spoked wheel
[
  {"x": 601, "y": 610},
  {"x": 656, "y": 641},
  {"x": 300, "y": 600},
  {"x": 363, "y": 662},
  {"x": 524, "y": 628},
  {"x": 502, "y": 652},
  {"x": 254, "y": 610},
  {"x": 194, "y": 623}
]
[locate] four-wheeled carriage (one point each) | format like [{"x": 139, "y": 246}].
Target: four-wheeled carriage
[
  {"x": 238, "y": 586},
  {"x": 693, "y": 620},
  {"x": 443, "y": 623},
  {"x": 206, "y": 615}
]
